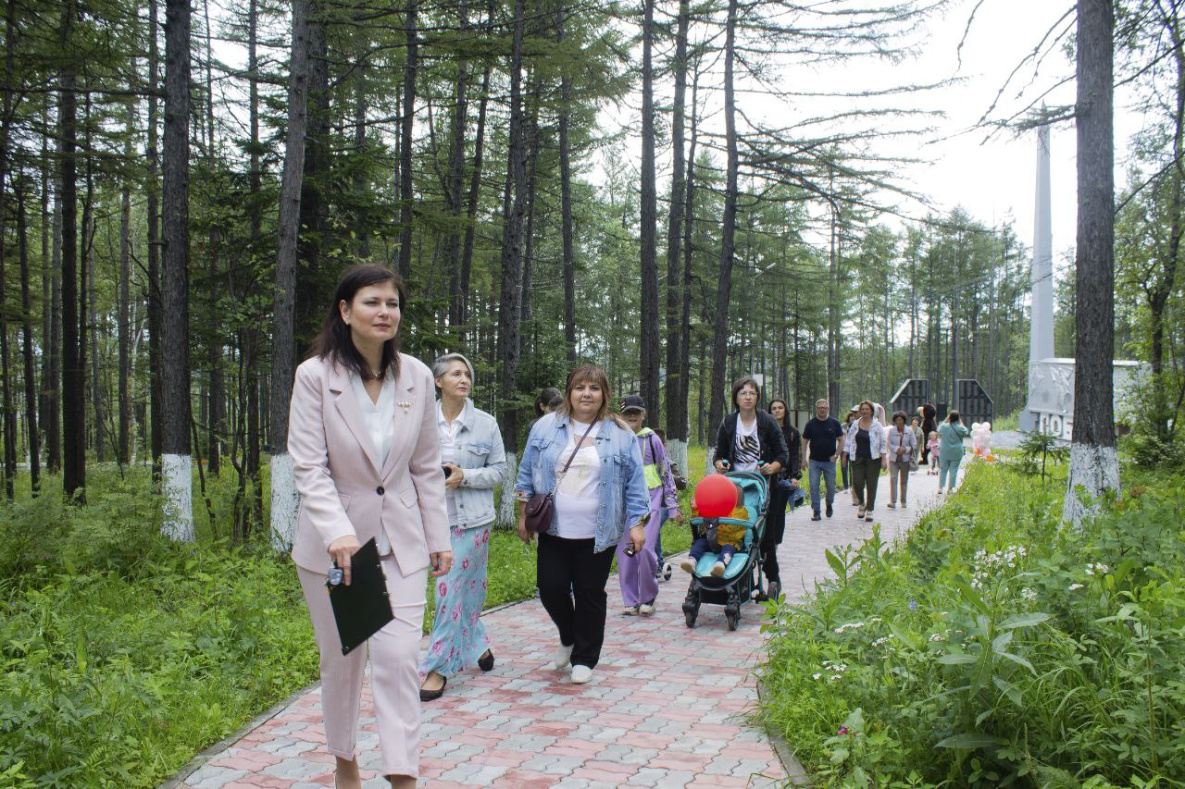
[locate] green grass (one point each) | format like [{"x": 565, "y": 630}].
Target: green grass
[{"x": 994, "y": 647}]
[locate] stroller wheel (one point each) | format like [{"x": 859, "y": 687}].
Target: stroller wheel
[
  {"x": 667, "y": 570},
  {"x": 689, "y": 617},
  {"x": 732, "y": 617}
]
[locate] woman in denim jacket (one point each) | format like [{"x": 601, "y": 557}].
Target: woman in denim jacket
[
  {"x": 474, "y": 462},
  {"x": 600, "y": 498}
]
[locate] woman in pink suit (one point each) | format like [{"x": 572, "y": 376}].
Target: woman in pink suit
[{"x": 362, "y": 435}]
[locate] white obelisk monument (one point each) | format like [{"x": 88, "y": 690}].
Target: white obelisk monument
[{"x": 1041, "y": 326}]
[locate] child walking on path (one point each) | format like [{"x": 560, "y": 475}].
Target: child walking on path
[{"x": 637, "y": 572}]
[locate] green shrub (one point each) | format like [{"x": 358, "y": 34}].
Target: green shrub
[{"x": 993, "y": 647}]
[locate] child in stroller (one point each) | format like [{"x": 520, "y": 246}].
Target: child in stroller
[{"x": 723, "y": 539}]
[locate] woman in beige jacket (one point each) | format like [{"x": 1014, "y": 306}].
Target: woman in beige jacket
[{"x": 362, "y": 436}]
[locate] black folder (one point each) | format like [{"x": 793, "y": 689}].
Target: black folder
[{"x": 364, "y": 607}]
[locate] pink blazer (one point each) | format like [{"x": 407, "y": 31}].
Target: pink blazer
[{"x": 342, "y": 488}]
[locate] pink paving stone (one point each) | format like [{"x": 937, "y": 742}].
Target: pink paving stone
[
  {"x": 525, "y": 779},
  {"x": 551, "y": 728},
  {"x": 251, "y": 761},
  {"x": 678, "y": 761},
  {"x": 611, "y": 767},
  {"x": 272, "y": 781},
  {"x": 567, "y": 750},
  {"x": 504, "y": 758},
  {"x": 602, "y": 775}
]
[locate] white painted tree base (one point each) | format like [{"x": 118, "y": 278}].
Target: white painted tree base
[
  {"x": 1093, "y": 469},
  {"x": 677, "y": 454},
  {"x": 506, "y": 516},
  {"x": 285, "y": 503},
  {"x": 177, "y": 478}
]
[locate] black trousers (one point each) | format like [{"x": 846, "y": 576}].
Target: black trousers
[
  {"x": 572, "y": 579},
  {"x": 775, "y": 528}
]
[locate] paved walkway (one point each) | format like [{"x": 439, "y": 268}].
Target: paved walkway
[{"x": 667, "y": 706}]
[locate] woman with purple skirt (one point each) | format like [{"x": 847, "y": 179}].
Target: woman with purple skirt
[{"x": 637, "y": 572}]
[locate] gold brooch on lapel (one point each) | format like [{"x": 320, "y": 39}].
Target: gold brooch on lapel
[{"x": 405, "y": 405}]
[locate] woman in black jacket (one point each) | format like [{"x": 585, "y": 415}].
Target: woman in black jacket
[
  {"x": 779, "y": 496},
  {"x": 749, "y": 440}
]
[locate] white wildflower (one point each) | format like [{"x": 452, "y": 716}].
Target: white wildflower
[
  {"x": 1028, "y": 594},
  {"x": 816, "y": 677},
  {"x": 936, "y": 637},
  {"x": 1075, "y": 587}
]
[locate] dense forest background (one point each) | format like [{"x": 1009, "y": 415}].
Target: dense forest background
[{"x": 181, "y": 186}]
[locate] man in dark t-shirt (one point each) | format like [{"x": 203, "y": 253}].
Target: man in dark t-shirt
[{"x": 822, "y": 441}]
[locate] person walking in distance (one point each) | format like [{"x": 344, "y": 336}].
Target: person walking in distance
[
  {"x": 822, "y": 441},
  {"x": 902, "y": 451},
  {"x": 868, "y": 453}
]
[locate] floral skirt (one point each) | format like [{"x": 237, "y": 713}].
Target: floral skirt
[{"x": 458, "y": 634}]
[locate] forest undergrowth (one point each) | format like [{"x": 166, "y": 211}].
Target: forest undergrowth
[{"x": 995, "y": 647}]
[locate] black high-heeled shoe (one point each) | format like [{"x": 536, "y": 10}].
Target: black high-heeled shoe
[
  {"x": 433, "y": 695},
  {"x": 486, "y": 661}
]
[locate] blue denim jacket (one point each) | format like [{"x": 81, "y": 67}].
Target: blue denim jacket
[
  {"x": 623, "y": 494},
  {"x": 482, "y": 457}
]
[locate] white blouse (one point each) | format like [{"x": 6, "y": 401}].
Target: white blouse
[{"x": 380, "y": 423}]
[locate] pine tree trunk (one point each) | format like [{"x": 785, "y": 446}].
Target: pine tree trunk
[
  {"x": 7, "y": 407},
  {"x": 22, "y": 236},
  {"x": 284, "y": 497},
  {"x": 684, "y": 379},
  {"x": 569, "y": 264},
  {"x": 177, "y": 462},
  {"x": 155, "y": 312},
  {"x": 728, "y": 229},
  {"x": 454, "y": 193},
  {"x": 509, "y": 312},
  {"x": 50, "y": 285},
  {"x": 1094, "y": 463},
  {"x": 676, "y": 406},
  {"x": 407, "y": 127},
  {"x": 650, "y": 348},
  {"x": 73, "y": 383},
  {"x": 123, "y": 453}
]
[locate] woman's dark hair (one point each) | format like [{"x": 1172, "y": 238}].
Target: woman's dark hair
[
  {"x": 900, "y": 415},
  {"x": 335, "y": 340},
  {"x": 549, "y": 397},
  {"x": 740, "y": 384},
  {"x": 784, "y": 422},
  {"x": 953, "y": 417}
]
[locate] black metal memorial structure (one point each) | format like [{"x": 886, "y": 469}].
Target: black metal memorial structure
[
  {"x": 914, "y": 393},
  {"x": 973, "y": 402}
]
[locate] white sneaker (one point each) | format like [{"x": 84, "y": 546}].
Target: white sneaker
[
  {"x": 630, "y": 610},
  {"x": 718, "y": 569},
  {"x": 646, "y": 609},
  {"x": 563, "y": 657},
  {"x": 687, "y": 566},
  {"x": 581, "y": 674}
]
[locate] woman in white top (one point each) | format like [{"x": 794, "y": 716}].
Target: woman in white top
[
  {"x": 868, "y": 452},
  {"x": 474, "y": 464},
  {"x": 600, "y": 499}
]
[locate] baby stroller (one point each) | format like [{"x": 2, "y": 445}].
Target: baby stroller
[{"x": 743, "y": 573}]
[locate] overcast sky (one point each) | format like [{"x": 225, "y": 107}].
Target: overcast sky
[{"x": 994, "y": 180}]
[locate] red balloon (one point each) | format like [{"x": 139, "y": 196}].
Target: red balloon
[{"x": 716, "y": 496}]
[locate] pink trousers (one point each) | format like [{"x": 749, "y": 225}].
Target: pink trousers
[{"x": 394, "y": 676}]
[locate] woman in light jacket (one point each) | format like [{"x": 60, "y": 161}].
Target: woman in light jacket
[
  {"x": 474, "y": 464},
  {"x": 366, "y": 458},
  {"x": 902, "y": 450},
  {"x": 599, "y": 500},
  {"x": 868, "y": 452}
]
